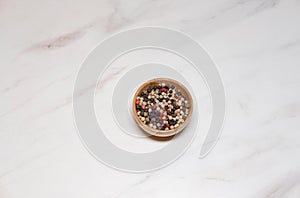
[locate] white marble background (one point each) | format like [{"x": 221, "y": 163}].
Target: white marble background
[{"x": 256, "y": 45}]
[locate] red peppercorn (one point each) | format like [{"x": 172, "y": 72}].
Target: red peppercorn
[
  {"x": 137, "y": 102},
  {"x": 164, "y": 89},
  {"x": 168, "y": 111},
  {"x": 168, "y": 125}
]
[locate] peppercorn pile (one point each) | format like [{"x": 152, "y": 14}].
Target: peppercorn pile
[{"x": 162, "y": 107}]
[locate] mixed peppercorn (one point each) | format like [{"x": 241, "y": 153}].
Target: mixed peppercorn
[{"x": 162, "y": 107}]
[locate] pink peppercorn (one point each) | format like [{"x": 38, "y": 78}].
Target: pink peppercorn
[
  {"x": 137, "y": 102},
  {"x": 154, "y": 107}
]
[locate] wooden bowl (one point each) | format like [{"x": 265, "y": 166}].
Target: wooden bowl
[{"x": 156, "y": 132}]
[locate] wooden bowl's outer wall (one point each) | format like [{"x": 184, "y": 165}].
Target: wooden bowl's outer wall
[{"x": 161, "y": 133}]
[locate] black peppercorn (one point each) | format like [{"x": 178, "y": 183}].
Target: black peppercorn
[{"x": 171, "y": 122}]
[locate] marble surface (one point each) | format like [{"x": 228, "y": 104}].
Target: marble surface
[{"x": 256, "y": 45}]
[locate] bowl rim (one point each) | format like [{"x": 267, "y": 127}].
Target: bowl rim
[{"x": 156, "y": 132}]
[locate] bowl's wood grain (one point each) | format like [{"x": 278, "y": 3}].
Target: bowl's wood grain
[{"x": 163, "y": 133}]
